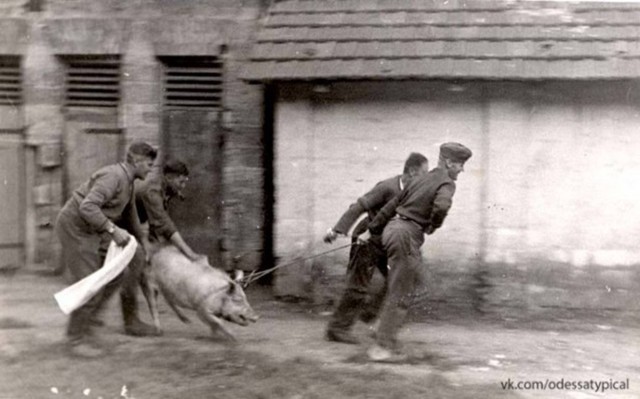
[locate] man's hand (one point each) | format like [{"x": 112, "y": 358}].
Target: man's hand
[
  {"x": 364, "y": 237},
  {"x": 196, "y": 257},
  {"x": 120, "y": 236},
  {"x": 330, "y": 236}
]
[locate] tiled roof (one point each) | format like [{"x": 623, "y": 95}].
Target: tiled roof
[{"x": 488, "y": 39}]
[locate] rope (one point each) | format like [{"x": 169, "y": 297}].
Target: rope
[{"x": 255, "y": 276}]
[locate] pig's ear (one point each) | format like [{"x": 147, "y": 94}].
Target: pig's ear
[{"x": 232, "y": 289}]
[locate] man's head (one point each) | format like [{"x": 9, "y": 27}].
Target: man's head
[
  {"x": 141, "y": 155},
  {"x": 415, "y": 165},
  {"x": 452, "y": 158},
  {"x": 176, "y": 175}
]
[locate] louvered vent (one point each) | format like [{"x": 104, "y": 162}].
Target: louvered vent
[
  {"x": 192, "y": 82},
  {"x": 10, "y": 81},
  {"x": 92, "y": 81}
]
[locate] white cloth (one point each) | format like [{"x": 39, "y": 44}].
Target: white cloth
[{"x": 76, "y": 295}]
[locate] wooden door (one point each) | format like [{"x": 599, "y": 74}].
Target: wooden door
[
  {"x": 92, "y": 140},
  {"x": 12, "y": 219},
  {"x": 195, "y": 138}
]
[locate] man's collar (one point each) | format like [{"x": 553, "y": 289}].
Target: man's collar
[
  {"x": 443, "y": 171},
  {"x": 128, "y": 169}
]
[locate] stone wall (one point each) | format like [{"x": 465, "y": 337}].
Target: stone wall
[{"x": 139, "y": 31}]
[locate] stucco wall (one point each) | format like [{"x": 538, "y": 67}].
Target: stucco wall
[
  {"x": 549, "y": 189},
  {"x": 562, "y": 171}
]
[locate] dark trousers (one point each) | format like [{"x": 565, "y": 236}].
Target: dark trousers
[
  {"x": 83, "y": 252},
  {"x": 131, "y": 278},
  {"x": 363, "y": 260},
  {"x": 402, "y": 240}
]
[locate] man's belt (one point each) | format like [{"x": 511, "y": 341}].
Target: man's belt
[{"x": 402, "y": 217}]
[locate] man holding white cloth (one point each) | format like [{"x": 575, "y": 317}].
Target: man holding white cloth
[{"x": 85, "y": 227}]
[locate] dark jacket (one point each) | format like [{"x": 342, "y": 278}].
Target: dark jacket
[
  {"x": 107, "y": 195},
  {"x": 371, "y": 202},
  {"x": 152, "y": 199},
  {"x": 426, "y": 201}
]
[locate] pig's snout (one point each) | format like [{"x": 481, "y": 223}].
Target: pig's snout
[
  {"x": 236, "y": 309},
  {"x": 245, "y": 318},
  {"x": 253, "y": 317},
  {"x": 241, "y": 319}
]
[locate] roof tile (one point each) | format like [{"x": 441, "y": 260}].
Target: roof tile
[
  {"x": 348, "y": 39},
  {"x": 344, "y": 49},
  {"x": 427, "y": 33}
]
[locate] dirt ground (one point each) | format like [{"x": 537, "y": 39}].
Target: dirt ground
[{"x": 284, "y": 355}]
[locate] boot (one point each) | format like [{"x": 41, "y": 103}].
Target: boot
[
  {"x": 80, "y": 340},
  {"x": 85, "y": 347},
  {"x": 368, "y": 316},
  {"x": 132, "y": 324},
  {"x": 344, "y": 337},
  {"x": 377, "y": 353},
  {"x": 344, "y": 317},
  {"x": 391, "y": 320}
]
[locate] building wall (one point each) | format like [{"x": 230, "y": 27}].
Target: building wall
[
  {"x": 545, "y": 205},
  {"x": 562, "y": 170},
  {"x": 140, "y": 31}
]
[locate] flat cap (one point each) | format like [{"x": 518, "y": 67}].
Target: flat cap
[{"x": 455, "y": 152}]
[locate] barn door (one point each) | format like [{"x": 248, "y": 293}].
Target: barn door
[
  {"x": 92, "y": 140},
  {"x": 11, "y": 197},
  {"x": 92, "y": 136},
  {"x": 195, "y": 138}
]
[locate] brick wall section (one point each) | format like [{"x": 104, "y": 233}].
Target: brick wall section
[
  {"x": 543, "y": 215},
  {"x": 141, "y": 94},
  {"x": 43, "y": 82},
  {"x": 140, "y": 31},
  {"x": 243, "y": 164}
]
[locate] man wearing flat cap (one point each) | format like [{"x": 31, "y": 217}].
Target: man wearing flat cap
[
  {"x": 87, "y": 224},
  {"x": 363, "y": 259},
  {"x": 420, "y": 209}
]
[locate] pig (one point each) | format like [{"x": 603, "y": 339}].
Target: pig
[{"x": 197, "y": 286}]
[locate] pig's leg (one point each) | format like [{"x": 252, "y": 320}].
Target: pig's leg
[
  {"x": 176, "y": 310},
  {"x": 154, "y": 311},
  {"x": 147, "y": 292},
  {"x": 150, "y": 292},
  {"x": 215, "y": 323}
]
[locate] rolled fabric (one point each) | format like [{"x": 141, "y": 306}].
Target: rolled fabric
[{"x": 76, "y": 295}]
